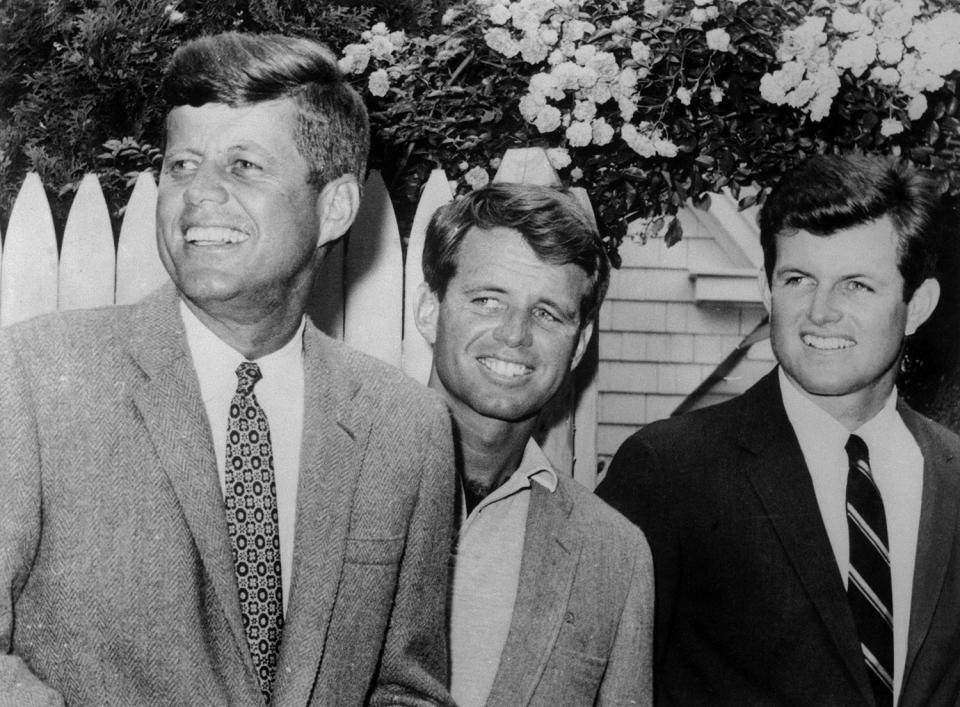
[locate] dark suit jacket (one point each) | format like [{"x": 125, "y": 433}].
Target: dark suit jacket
[
  {"x": 582, "y": 626},
  {"x": 117, "y": 578},
  {"x": 751, "y": 608}
]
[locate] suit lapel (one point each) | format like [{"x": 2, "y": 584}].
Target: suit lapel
[
  {"x": 335, "y": 434},
  {"x": 551, "y": 551},
  {"x": 780, "y": 478},
  {"x": 938, "y": 524},
  {"x": 168, "y": 398}
]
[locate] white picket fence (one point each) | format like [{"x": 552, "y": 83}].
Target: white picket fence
[{"x": 364, "y": 296}]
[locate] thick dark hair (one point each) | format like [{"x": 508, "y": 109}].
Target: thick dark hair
[
  {"x": 828, "y": 193},
  {"x": 333, "y": 131},
  {"x": 551, "y": 221}
]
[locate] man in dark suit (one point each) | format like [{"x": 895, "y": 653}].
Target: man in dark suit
[
  {"x": 204, "y": 499},
  {"x": 552, "y": 590},
  {"x": 805, "y": 534}
]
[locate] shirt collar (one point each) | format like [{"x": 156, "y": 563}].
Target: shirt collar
[
  {"x": 535, "y": 466},
  {"x": 809, "y": 419},
  {"x": 216, "y": 360}
]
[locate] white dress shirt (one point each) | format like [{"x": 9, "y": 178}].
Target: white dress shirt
[
  {"x": 487, "y": 575},
  {"x": 280, "y": 394},
  {"x": 897, "y": 467}
]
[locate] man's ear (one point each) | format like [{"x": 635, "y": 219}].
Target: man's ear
[
  {"x": 764, "y": 284},
  {"x": 337, "y": 206},
  {"x": 922, "y": 304},
  {"x": 426, "y": 312},
  {"x": 586, "y": 331}
]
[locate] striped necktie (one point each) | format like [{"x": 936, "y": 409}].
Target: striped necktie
[
  {"x": 251, "y": 503},
  {"x": 868, "y": 585}
]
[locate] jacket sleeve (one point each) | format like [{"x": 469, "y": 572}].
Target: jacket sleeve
[
  {"x": 628, "y": 678},
  {"x": 641, "y": 486},
  {"x": 19, "y": 524},
  {"x": 415, "y": 661}
]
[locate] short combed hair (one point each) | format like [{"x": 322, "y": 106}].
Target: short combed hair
[
  {"x": 550, "y": 220},
  {"x": 236, "y": 69},
  {"x": 829, "y": 193}
]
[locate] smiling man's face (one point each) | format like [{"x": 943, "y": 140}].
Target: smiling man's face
[
  {"x": 837, "y": 315},
  {"x": 238, "y": 225},
  {"x": 507, "y": 331}
]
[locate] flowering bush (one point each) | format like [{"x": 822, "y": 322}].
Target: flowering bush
[
  {"x": 909, "y": 49},
  {"x": 649, "y": 104},
  {"x": 79, "y": 80}
]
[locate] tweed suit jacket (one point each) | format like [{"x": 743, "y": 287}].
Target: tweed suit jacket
[
  {"x": 582, "y": 626},
  {"x": 117, "y": 573},
  {"x": 751, "y": 607}
]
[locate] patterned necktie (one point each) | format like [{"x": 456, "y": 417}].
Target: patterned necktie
[
  {"x": 868, "y": 585},
  {"x": 251, "y": 503}
]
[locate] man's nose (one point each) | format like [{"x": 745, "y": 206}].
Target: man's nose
[
  {"x": 823, "y": 306},
  {"x": 514, "y": 330},
  {"x": 206, "y": 185}
]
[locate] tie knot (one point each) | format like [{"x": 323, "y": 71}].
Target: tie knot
[
  {"x": 248, "y": 373},
  {"x": 857, "y": 450}
]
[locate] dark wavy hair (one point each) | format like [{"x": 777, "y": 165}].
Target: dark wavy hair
[
  {"x": 333, "y": 131},
  {"x": 828, "y": 193},
  {"x": 551, "y": 221}
]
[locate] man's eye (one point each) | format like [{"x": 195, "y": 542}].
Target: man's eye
[
  {"x": 858, "y": 286},
  {"x": 546, "y": 316},
  {"x": 245, "y": 166},
  {"x": 486, "y": 302},
  {"x": 795, "y": 280},
  {"x": 181, "y": 165}
]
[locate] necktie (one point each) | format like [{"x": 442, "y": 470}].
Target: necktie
[
  {"x": 251, "y": 504},
  {"x": 868, "y": 585}
]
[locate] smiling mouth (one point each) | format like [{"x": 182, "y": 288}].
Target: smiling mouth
[
  {"x": 214, "y": 235},
  {"x": 826, "y": 343},
  {"x": 507, "y": 369}
]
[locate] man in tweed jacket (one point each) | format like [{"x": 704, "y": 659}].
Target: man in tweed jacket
[
  {"x": 552, "y": 600},
  {"x": 120, "y": 575}
]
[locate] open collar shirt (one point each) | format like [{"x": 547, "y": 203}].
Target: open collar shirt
[
  {"x": 280, "y": 393},
  {"x": 896, "y": 463},
  {"x": 486, "y": 577}
]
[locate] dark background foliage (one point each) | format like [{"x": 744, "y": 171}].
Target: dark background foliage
[
  {"x": 79, "y": 81},
  {"x": 79, "y": 78}
]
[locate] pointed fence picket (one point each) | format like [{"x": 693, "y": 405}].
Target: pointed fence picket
[{"x": 364, "y": 294}]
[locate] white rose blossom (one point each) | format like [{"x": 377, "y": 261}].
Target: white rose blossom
[
  {"x": 548, "y": 119},
  {"x": 500, "y": 41},
  {"x": 499, "y": 15},
  {"x": 379, "y": 83},
  {"x": 886, "y": 76},
  {"x": 477, "y": 177},
  {"x": 718, "y": 40},
  {"x": 890, "y": 126},
  {"x": 602, "y": 132},
  {"x": 640, "y": 52},
  {"x": 579, "y": 133},
  {"x": 584, "y": 110},
  {"x": 917, "y": 107},
  {"x": 558, "y": 157}
]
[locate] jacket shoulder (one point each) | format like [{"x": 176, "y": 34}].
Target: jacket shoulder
[
  {"x": 80, "y": 333},
  {"x": 598, "y": 520}
]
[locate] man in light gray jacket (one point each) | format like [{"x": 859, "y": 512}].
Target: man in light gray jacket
[{"x": 552, "y": 599}]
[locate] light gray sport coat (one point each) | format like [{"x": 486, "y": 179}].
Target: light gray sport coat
[
  {"x": 582, "y": 626},
  {"x": 117, "y": 581}
]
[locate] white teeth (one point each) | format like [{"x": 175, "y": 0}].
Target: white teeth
[
  {"x": 827, "y": 343},
  {"x": 505, "y": 368},
  {"x": 214, "y": 235}
]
